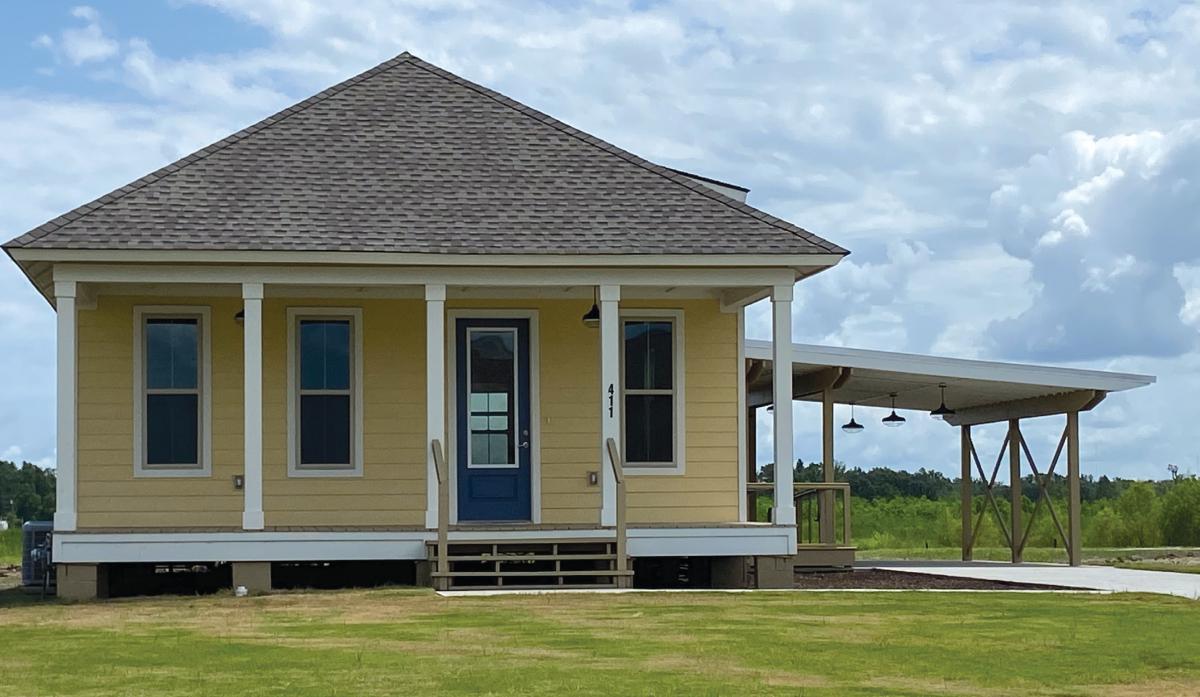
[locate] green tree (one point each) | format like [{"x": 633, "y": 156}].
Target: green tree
[
  {"x": 1181, "y": 513},
  {"x": 1139, "y": 510}
]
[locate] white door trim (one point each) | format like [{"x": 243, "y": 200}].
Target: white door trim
[{"x": 535, "y": 399}]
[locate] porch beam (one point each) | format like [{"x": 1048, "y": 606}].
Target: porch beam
[
  {"x": 475, "y": 276},
  {"x": 252, "y": 512},
  {"x": 435, "y": 395},
  {"x": 1077, "y": 400},
  {"x": 735, "y": 299},
  {"x": 781, "y": 306},
  {"x": 66, "y": 370},
  {"x": 819, "y": 381},
  {"x": 610, "y": 402}
]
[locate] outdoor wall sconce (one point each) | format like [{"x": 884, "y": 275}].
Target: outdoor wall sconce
[
  {"x": 240, "y": 317},
  {"x": 852, "y": 426},
  {"x": 942, "y": 412},
  {"x": 893, "y": 420}
]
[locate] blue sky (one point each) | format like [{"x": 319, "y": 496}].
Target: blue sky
[{"x": 1016, "y": 181}]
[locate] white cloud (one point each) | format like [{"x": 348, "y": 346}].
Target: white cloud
[{"x": 1015, "y": 180}]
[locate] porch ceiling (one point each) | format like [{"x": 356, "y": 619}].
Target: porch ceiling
[{"x": 868, "y": 378}]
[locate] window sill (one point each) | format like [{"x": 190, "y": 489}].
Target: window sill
[
  {"x": 193, "y": 472},
  {"x": 306, "y": 473},
  {"x": 653, "y": 470}
]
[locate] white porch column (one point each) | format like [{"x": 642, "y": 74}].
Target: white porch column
[
  {"x": 435, "y": 393},
  {"x": 610, "y": 387},
  {"x": 64, "y": 512},
  {"x": 252, "y": 513},
  {"x": 781, "y": 306}
]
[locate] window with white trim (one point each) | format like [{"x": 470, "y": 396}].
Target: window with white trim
[
  {"x": 325, "y": 423},
  {"x": 652, "y": 384},
  {"x": 171, "y": 391}
]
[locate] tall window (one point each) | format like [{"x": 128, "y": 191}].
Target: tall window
[
  {"x": 171, "y": 382},
  {"x": 325, "y": 394},
  {"x": 650, "y": 387}
]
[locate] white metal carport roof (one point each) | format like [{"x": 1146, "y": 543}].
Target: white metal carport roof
[{"x": 979, "y": 391}]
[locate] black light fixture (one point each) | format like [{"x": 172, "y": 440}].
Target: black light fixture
[
  {"x": 240, "y": 317},
  {"x": 852, "y": 426},
  {"x": 942, "y": 412},
  {"x": 591, "y": 318},
  {"x": 893, "y": 420}
]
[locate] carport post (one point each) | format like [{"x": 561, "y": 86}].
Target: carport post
[
  {"x": 966, "y": 485},
  {"x": 1014, "y": 486},
  {"x": 825, "y": 509},
  {"x": 1074, "y": 529}
]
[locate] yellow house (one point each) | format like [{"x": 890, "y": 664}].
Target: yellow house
[{"x": 410, "y": 319}]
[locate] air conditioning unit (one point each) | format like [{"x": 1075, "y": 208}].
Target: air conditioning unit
[{"x": 35, "y": 553}]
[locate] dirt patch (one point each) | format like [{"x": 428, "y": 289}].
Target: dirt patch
[{"x": 880, "y": 579}]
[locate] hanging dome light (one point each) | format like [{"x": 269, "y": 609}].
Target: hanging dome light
[
  {"x": 942, "y": 412},
  {"x": 852, "y": 426},
  {"x": 893, "y": 420}
]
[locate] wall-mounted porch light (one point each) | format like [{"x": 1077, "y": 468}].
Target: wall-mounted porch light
[
  {"x": 893, "y": 420},
  {"x": 852, "y": 426},
  {"x": 942, "y": 412},
  {"x": 240, "y": 317}
]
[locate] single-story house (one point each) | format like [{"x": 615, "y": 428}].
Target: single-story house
[{"x": 411, "y": 319}]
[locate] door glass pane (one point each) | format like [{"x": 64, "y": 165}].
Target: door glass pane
[
  {"x": 324, "y": 429},
  {"x": 172, "y": 425},
  {"x": 648, "y": 356},
  {"x": 325, "y": 354},
  {"x": 172, "y": 353},
  {"x": 649, "y": 436},
  {"x": 492, "y": 375}
]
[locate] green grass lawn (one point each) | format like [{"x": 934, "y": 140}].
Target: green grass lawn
[
  {"x": 10, "y": 546},
  {"x": 401, "y": 641},
  {"x": 1094, "y": 555}
]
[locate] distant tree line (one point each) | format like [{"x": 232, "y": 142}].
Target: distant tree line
[
  {"x": 26, "y": 492},
  {"x": 1116, "y": 512}
]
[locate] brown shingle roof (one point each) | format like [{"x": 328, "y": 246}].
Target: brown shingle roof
[{"x": 407, "y": 157}]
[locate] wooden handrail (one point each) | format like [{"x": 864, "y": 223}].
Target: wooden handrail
[
  {"x": 443, "y": 481},
  {"x": 808, "y": 489},
  {"x": 618, "y": 470}
]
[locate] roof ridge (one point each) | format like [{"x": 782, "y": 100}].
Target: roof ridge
[
  {"x": 632, "y": 158},
  {"x": 197, "y": 155}
]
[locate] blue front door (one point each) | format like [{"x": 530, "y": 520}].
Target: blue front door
[{"x": 492, "y": 403}]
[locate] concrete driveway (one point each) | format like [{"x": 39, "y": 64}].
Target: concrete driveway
[{"x": 1102, "y": 578}]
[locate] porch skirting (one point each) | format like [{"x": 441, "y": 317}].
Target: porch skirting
[{"x": 341, "y": 545}]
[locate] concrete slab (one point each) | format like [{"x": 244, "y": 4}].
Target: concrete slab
[{"x": 1104, "y": 578}]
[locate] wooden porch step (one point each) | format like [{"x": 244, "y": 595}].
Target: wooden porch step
[
  {"x": 526, "y": 574},
  {"x": 506, "y": 557},
  {"x": 535, "y": 587}
]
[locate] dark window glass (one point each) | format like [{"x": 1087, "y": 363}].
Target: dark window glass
[
  {"x": 172, "y": 354},
  {"x": 649, "y": 436},
  {"x": 493, "y": 397},
  {"x": 172, "y": 424},
  {"x": 324, "y": 429},
  {"x": 325, "y": 354},
  {"x": 648, "y": 356}
]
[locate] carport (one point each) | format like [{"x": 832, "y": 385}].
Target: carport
[{"x": 964, "y": 393}]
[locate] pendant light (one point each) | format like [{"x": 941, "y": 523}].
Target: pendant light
[
  {"x": 591, "y": 318},
  {"x": 852, "y": 426},
  {"x": 942, "y": 412},
  {"x": 893, "y": 420}
]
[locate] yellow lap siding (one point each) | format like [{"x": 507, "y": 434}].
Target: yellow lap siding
[
  {"x": 109, "y": 496},
  {"x": 391, "y": 489}
]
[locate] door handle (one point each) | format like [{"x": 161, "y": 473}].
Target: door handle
[{"x": 525, "y": 444}]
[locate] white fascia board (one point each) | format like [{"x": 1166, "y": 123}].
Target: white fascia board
[
  {"x": 181, "y": 256},
  {"x": 955, "y": 368}
]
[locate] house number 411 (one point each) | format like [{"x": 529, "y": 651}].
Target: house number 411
[{"x": 610, "y": 400}]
